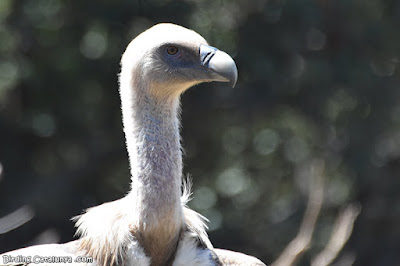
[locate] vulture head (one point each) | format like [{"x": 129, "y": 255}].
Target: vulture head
[{"x": 170, "y": 59}]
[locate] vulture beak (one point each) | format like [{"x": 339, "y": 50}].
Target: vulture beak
[{"x": 221, "y": 65}]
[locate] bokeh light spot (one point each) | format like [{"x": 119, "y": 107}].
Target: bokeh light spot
[
  {"x": 204, "y": 198},
  {"x": 94, "y": 43},
  {"x": 232, "y": 181},
  {"x": 43, "y": 125},
  {"x": 266, "y": 141}
]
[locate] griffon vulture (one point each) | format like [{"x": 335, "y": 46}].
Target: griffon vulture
[{"x": 151, "y": 225}]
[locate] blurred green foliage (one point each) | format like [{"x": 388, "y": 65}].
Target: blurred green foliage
[{"x": 317, "y": 79}]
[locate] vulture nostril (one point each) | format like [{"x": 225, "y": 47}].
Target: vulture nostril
[
  {"x": 206, "y": 53},
  {"x": 207, "y": 58}
]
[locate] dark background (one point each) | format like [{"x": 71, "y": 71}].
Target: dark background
[{"x": 318, "y": 80}]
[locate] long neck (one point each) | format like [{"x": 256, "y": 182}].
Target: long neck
[{"x": 152, "y": 134}]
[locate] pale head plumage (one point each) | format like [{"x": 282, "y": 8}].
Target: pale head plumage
[{"x": 147, "y": 59}]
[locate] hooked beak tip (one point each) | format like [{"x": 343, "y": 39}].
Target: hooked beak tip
[{"x": 221, "y": 64}]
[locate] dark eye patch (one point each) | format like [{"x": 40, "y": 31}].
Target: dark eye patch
[{"x": 178, "y": 55}]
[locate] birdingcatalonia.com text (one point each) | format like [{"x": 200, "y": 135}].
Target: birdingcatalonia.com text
[{"x": 45, "y": 259}]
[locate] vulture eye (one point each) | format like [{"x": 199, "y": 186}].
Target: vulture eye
[{"x": 172, "y": 50}]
